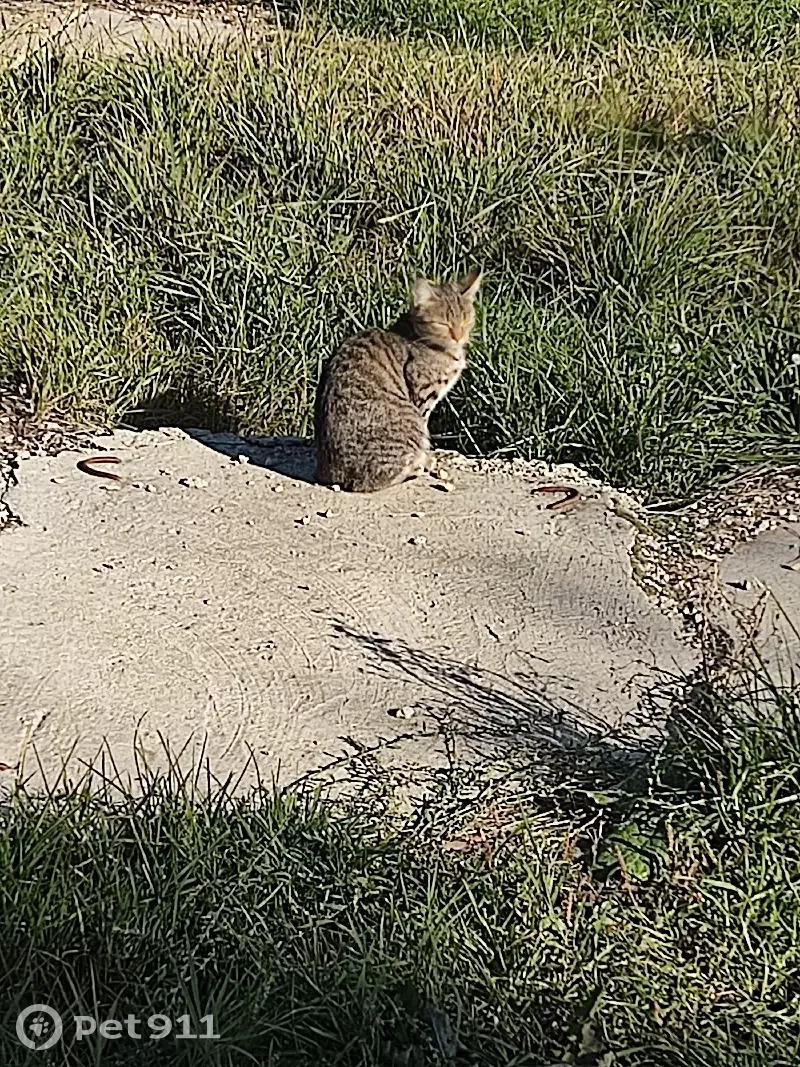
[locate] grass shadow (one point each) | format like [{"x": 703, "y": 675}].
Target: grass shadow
[
  {"x": 191, "y": 405},
  {"x": 518, "y": 722},
  {"x": 206, "y": 417}
]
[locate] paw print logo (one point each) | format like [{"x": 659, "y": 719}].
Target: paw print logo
[{"x": 39, "y": 1027}]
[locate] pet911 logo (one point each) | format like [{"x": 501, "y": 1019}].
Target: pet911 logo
[{"x": 39, "y": 1027}]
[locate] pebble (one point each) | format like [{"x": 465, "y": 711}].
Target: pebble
[
  {"x": 217, "y": 509},
  {"x": 304, "y": 521},
  {"x": 58, "y": 481},
  {"x": 277, "y": 489},
  {"x": 420, "y": 540},
  {"x": 193, "y": 483},
  {"x": 326, "y": 514},
  {"x": 408, "y": 711},
  {"x": 445, "y": 487},
  {"x": 242, "y": 459},
  {"x": 336, "y": 488}
]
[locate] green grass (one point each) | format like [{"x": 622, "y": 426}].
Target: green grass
[
  {"x": 191, "y": 235},
  {"x": 718, "y": 26},
  {"x": 658, "y": 921},
  {"x": 714, "y": 26},
  {"x": 188, "y": 237}
]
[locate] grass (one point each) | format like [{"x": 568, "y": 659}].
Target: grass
[
  {"x": 714, "y": 26},
  {"x": 653, "y": 924},
  {"x": 189, "y": 236}
]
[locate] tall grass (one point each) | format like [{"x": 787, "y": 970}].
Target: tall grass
[
  {"x": 711, "y": 26},
  {"x": 192, "y": 233},
  {"x": 663, "y": 935},
  {"x": 714, "y": 26}
]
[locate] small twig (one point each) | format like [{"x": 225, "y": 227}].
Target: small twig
[
  {"x": 86, "y": 465},
  {"x": 572, "y": 498}
]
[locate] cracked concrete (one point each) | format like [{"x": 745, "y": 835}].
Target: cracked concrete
[{"x": 235, "y": 607}]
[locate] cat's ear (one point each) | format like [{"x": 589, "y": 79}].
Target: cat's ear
[
  {"x": 423, "y": 293},
  {"x": 469, "y": 285}
]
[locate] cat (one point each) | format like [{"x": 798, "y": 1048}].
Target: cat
[{"x": 378, "y": 390}]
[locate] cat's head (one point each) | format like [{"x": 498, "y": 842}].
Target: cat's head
[{"x": 445, "y": 314}]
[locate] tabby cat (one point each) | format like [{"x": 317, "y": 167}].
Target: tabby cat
[{"x": 378, "y": 390}]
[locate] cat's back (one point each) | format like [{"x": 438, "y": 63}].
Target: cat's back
[
  {"x": 366, "y": 428},
  {"x": 370, "y": 363},
  {"x": 363, "y": 380}
]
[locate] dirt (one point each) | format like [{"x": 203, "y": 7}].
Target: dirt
[
  {"x": 727, "y": 564},
  {"x": 122, "y": 27}
]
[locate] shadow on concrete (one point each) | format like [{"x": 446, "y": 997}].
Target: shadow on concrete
[
  {"x": 207, "y": 418},
  {"x": 518, "y": 718},
  {"x": 290, "y": 456}
]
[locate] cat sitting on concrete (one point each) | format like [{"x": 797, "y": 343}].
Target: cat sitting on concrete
[{"x": 377, "y": 391}]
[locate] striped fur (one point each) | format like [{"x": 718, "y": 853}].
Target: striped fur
[{"x": 378, "y": 390}]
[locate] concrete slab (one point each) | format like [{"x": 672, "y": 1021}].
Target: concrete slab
[
  {"x": 765, "y": 593},
  {"x": 236, "y": 606}
]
